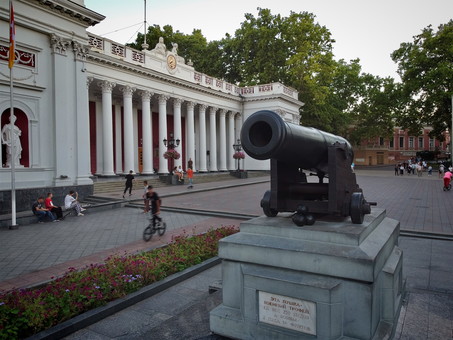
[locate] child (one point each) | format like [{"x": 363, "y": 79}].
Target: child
[{"x": 190, "y": 177}]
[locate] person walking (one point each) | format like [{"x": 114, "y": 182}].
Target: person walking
[
  {"x": 53, "y": 208},
  {"x": 190, "y": 177},
  {"x": 129, "y": 183}
]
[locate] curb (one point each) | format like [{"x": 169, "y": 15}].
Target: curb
[{"x": 90, "y": 317}]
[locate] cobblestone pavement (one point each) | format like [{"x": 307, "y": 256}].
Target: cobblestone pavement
[{"x": 32, "y": 254}]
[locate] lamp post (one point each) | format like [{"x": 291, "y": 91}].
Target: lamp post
[
  {"x": 237, "y": 148},
  {"x": 171, "y": 143}
]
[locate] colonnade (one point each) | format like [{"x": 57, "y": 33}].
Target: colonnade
[{"x": 220, "y": 143}]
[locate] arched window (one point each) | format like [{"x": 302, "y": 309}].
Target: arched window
[{"x": 22, "y": 123}]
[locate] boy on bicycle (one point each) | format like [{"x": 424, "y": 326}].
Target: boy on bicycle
[{"x": 154, "y": 203}]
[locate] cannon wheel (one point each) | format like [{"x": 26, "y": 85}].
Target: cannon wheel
[
  {"x": 357, "y": 208},
  {"x": 266, "y": 205}
]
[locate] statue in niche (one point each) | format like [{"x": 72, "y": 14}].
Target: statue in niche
[
  {"x": 160, "y": 47},
  {"x": 11, "y": 136}
]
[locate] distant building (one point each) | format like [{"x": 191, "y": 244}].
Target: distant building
[{"x": 401, "y": 147}]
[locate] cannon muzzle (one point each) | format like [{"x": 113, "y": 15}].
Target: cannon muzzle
[{"x": 265, "y": 135}]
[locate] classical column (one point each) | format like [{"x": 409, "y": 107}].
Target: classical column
[
  {"x": 202, "y": 131},
  {"x": 163, "y": 164},
  {"x": 82, "y": 84},
  {"x": 191, "y": 133},
  {"x": 118, "y": 138},
  {"x": 222, "y": 141},
  {"x": 231, "y": 141},
  {"x": 177, "y": 130},
  {"x": 99, "y": 138},
  {"x": 107, "y": 127},
  {"x": 128, "y": 128},
  {"x": 212, "y": 139},
  {"x": 147, "y": 134}
]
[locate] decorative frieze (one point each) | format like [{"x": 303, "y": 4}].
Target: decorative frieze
[
  {"x": 22, "y": 57},
  {"x": 248, "y": 90},
  {"x": 197, "y": 77},
  {"x": 208, "y": 80},
  {"x": 219, "y": 83},
  {"x": 265, "y": 88}
]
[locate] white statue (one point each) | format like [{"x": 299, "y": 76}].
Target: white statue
[
  {"x": 11, "y": 136},
  {"x": 160, "y": 47},
  {"x": 175, "y": 48}
]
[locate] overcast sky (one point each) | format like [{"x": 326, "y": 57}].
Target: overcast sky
[{"x": 365, "y": 29}]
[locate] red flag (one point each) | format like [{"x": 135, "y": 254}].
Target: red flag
[{"x": 12, "y": 35}]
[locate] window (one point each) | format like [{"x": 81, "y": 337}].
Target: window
[
  {"x": 420, "y": 143},
  {"x": 391, "y": 143},
  {"x": 401, "y": 142},
  {"x": 411, "y": 142},
  {"x": 431, "y": 143},
  {"x": 381, "y": 141}
]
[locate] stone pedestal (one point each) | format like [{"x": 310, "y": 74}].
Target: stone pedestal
[{"x": 332, "y": 280}]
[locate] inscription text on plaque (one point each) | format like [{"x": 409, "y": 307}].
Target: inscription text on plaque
[{"x": 287, "y": 312}]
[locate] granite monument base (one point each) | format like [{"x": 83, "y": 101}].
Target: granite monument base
[{"x": 332, "y": 280}]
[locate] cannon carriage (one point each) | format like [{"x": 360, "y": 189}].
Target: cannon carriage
[{"x": 293, "y": 148}]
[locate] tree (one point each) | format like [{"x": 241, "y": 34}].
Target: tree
[{"x": 426, "y": 70}]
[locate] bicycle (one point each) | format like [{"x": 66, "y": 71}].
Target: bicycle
[{"x": 159, "y": 226}]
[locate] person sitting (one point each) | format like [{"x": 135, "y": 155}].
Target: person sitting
[
  {"x": 39, "y": 210},
  {"x": 178, "y": 172},
  {"x": 53, "y": 208},
  {"x": 71, "y": 203}
]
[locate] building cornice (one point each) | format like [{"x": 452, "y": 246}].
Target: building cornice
[
  {"x": 149, "y": 73},
  {"x": 72, "y": 10}
]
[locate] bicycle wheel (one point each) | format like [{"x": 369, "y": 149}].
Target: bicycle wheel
[
  {"x": 161, "y": 228},
  {"x": 148, "y": 233}
]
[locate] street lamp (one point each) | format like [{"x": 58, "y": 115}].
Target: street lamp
[
  {"x": 237, "y": 148},
  {"x": 170, "y": 144}
]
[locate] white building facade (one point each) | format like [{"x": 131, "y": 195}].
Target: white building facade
[{"x": 87, "y": 106}]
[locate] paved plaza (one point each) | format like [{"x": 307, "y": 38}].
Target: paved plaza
[{"x": 34, "y": 253}]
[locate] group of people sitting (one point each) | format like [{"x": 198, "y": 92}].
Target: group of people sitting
[{"x": 44, "y": 208}]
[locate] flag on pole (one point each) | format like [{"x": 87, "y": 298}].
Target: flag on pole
[{"x": 12, "y": 35}]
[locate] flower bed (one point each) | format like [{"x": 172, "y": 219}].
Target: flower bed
[{"x": 28, "y": 311}]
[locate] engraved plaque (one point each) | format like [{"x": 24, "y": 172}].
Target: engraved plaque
[{"x": 287, "y": 312}]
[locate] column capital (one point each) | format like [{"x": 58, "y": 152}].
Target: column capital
[
  {"x": 222, "y": 113},
  {"x": 190, "y": 105},
  {"x": 202, "y": 107},
  {"x": 89, "y": 81},
  {"x": 106, "y": 86},
  {"x": 162, "y": 98},
  {"x": 59, "y": 44},
  {"x": 177, "y": 102},
  {"x": 127, "y": 90},
  {"x": 213, "y": 110},
  {"x": 80, "y": 51},
  {"x": 231, "y": 114},
  {"x": 146, "y": 95}
]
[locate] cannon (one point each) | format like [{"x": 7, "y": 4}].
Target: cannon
[{"x": 292, "y": 149}]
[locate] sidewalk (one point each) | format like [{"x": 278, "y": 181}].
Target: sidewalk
[{"x": 34, "y": 253}]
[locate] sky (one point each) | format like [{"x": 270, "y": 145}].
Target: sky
[{"x": 366, "y": 29}]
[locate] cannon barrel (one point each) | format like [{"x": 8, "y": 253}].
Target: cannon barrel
[{"x": 265, "y": 135}]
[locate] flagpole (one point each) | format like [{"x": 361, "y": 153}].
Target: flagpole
[
  {"x": 12, "y": 55},
  {"x": 13, "y": 151}
]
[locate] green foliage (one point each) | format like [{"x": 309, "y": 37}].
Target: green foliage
[
  {"x": 426, "y": 70},
  {"x": 26, "y": 312}
]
